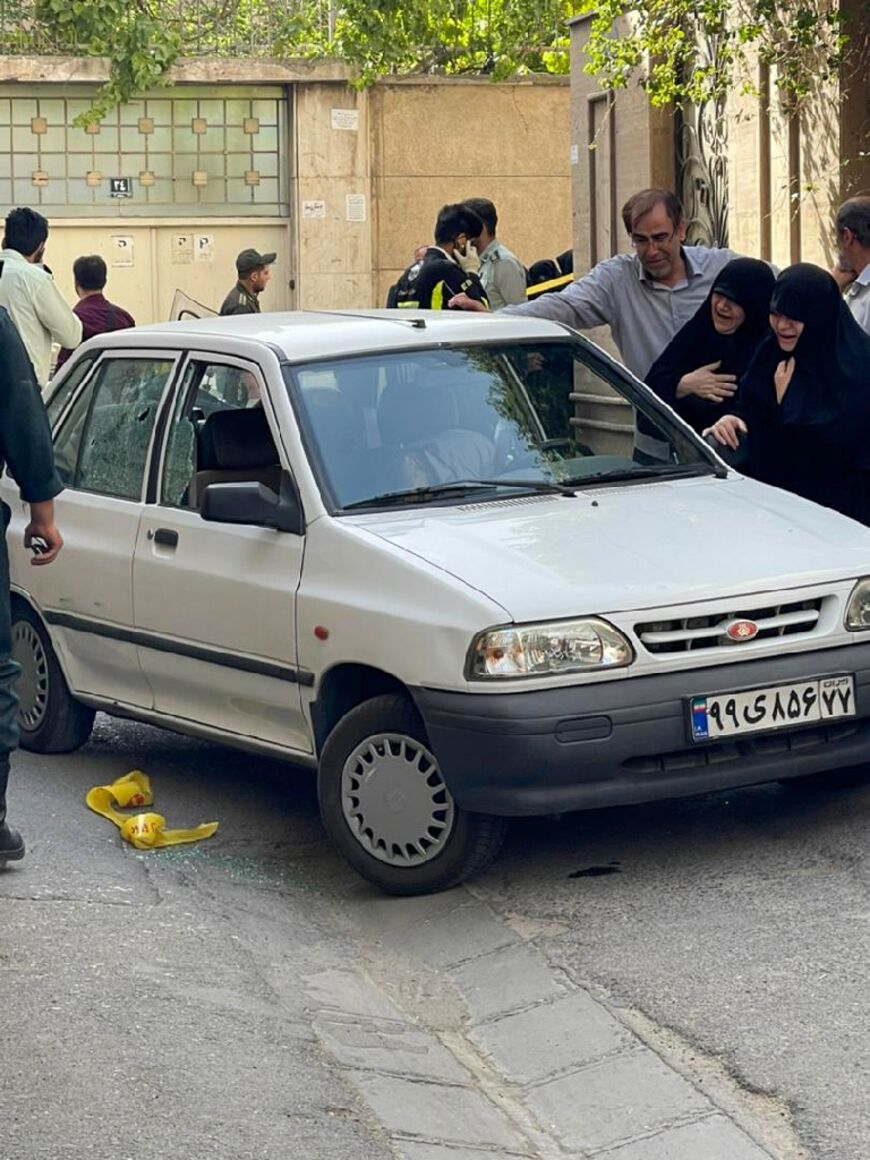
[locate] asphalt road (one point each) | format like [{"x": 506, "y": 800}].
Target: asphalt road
[
  {"x": 151, "y": 1001},
  {"x": 740, "y": 920}
]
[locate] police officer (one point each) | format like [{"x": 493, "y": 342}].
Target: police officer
[
  {"x": 253, "y": 270},
  {"x": 502, "y": 273},
  {"x": 26, "y": 450}
]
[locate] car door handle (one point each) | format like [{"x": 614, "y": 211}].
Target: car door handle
[{"x": 166, "y": 536}]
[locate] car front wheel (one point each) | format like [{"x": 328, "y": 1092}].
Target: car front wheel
[
  {"x": 386, "y": 807},
  {"x": 50, "y": 719}
]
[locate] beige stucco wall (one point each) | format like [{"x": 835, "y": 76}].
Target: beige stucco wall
[
  {"x": 332, "y": 164},
  {"x": 440, "y": 141},
  {"x": 404, "y": 148}
]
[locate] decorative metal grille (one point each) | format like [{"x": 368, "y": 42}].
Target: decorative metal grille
[
  {"x": 222, "y": 152},
  {"x": 701, "y": 141}
]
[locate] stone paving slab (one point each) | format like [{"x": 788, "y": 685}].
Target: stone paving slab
[
  {"x": 414, "y": 1150},
  {"x": 504, "y": 981},
  {"x": 551, "y": 1038},
  {"x": 712, "y": 1139},
  {"x": 453, "y": 1115},
  {"x": 394, "y": 1048},
  {"x": 614, "y": 1101},
  {"x": 350, "y": 993},
  {"x": 466, "y": 932}
]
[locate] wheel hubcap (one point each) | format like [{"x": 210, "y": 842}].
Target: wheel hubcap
[
  {"x": 32, "y": 685},
  {"x": 395, "y": 801}
]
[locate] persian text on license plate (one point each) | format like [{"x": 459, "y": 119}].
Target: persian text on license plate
[{"x": 776, "y": 707}]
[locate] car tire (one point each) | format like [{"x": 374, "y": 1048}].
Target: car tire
[
  {"x": 385, "y": 806},
  {"x": 51, "y": 720}
]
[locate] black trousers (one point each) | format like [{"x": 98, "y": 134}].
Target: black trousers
[{"x": 9, "y": 669}]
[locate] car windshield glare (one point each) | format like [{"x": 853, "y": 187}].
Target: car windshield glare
[{"x": 414, "y": 421}]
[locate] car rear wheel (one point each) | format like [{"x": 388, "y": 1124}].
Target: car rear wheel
[
  {"x": 386, "y": 807},
  {"x": 50, "y": 719}
]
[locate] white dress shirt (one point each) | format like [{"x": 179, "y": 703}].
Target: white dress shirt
[{"x": 40, "y": 312}]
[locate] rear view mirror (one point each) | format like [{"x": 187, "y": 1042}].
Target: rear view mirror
[{"x": 254, "y": 504}]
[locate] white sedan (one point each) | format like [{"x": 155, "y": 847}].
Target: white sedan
[{"x": 465, "y": 567}]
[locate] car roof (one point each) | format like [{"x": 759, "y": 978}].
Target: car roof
[{"x": 303, "y": 335}]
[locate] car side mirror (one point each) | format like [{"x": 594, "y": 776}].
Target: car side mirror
[{"x": 254, "y": 504}]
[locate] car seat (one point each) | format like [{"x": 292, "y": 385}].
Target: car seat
[{"x": 235, "y": 446}]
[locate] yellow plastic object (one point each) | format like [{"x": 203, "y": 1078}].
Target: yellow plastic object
[{"x": 144, "y": 831}]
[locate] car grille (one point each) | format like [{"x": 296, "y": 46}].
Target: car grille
[
  {"x": 690, "y": 633},
  {"x": 770, "y": 745}
]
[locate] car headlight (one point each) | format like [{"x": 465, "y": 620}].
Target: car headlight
[
  {"x": 858, "y": 611},
  {"x": 530, "y": 650}
]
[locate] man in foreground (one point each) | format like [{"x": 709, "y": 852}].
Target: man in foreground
[
  {"x": 26, "y": 451},
  {"x": 644, "y": 297}
]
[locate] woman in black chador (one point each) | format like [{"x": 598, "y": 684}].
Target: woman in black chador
[
  {"x": 804, "y": 401},
  {"x": 698, "y": 371}
]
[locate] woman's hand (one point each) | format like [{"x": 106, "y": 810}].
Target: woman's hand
[
  {"x": 706, "y": 384},
  {"x": 727, "y": 431},
  {"x": 782, "y": 377}
]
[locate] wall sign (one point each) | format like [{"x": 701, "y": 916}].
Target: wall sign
[
  {"x": 120, "y": 187},
  {"x": 122, "y": 249}
]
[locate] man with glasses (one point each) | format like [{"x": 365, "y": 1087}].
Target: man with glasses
[{"x": 644, "y": 297}]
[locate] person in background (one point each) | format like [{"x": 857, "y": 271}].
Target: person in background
[
  {"x": 502, "y": 273},
  {"x": 28, "y": 292},
  {"x": 804, "y": 401},
  {"x": 852, "y": 272},
  {"x": 97, "y": 314},
  {"x": 26, "y": 451},
  {"x": 402, "y": 288},
  {"x": 698, "y": 371},
  {"x": 253, "y": 269},
  {"x": 644, "y": 297},
  {"x": 441, "y": 276}
]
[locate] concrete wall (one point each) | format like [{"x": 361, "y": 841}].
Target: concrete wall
[
  {"x": 369, "y": 172},
  {"x": 438, "y": 141}
]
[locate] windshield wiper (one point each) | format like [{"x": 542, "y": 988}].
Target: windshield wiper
[
  {"x": 640, "y": 471},
  {"x": 459, "y": 487}
]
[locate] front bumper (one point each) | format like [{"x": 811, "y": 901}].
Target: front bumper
[{"x": 627, "y": 741}]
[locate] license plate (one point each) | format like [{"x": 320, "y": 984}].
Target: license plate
[{"x": 776, "y": 707}]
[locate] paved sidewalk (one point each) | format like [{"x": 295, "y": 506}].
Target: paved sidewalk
[{"x": 533, "y": 1067}]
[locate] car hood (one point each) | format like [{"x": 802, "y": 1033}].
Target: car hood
[{"x": 633, "y": 546}]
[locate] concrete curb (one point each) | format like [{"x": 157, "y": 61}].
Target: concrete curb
[{"x": 536, "y": 1068}]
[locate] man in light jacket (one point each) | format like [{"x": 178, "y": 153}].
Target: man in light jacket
[{"x": 28, "y": 291}]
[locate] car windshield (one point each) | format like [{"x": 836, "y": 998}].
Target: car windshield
[{"x": 442, "y": 425}]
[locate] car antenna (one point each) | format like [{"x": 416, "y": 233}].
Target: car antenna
[{"x": 416, "y": 323}]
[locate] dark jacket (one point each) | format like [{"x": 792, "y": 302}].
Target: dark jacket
[
  {"x": 25, "y": 437},
  {"x": 239, "y": 301},
  {"x": 437, "y": 280}
]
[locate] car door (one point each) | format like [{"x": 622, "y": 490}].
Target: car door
[
  {"x": 215, "y": 603},
  {"x": 102, "y": 445}
]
